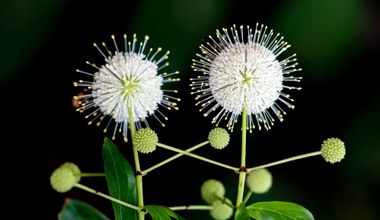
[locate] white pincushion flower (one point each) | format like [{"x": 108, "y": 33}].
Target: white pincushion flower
[
  {"x": 241, "y": 70},
  {"x": 127, "y": 86}
]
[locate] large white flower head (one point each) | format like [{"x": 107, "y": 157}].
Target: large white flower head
[
  {"x": 127, "y": 86},
  {"x": 241, "y": 70}
]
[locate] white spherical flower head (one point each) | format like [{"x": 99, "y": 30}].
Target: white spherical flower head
[
  {"x": 212, "y": 190},
  {"x": 259, "y": 181},
  {"x": 221, "y": 210},
  {"x": 127, "y": 88},
  {"x": 242, "y": 72}
]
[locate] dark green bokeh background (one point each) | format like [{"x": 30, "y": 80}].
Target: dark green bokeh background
[{"x": 42, "y": 42}]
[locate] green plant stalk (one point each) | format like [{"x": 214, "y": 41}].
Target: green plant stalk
[
  {"x": 85, "y": 188},
  {"x": 191, "y": 207},
  {"x": 245, "y": 200},
  {"x": 139, "y": 181},
  {"x": 197, "y": 157},
  {"x": 302, "y": 156},
  {"x": 92, "y": 174},
  {"x": 144, "y": 172},
  {"x": 243, "y": 169}
]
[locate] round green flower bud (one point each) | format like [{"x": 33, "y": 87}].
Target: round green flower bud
[
  {"x": 333, "y": 150},
  {"x": 65, "y": 177},
  {"x": 259, "y": 181},
  {"x": 219, "y": 138},
  {"x": 74, "y": 168},
  {"x": 211, "y": 190},
  {"x": 145, "y": 140},
  {"x": 220, "y": 210}
]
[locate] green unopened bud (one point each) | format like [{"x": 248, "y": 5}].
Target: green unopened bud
[
  {"x": 259, "y": 181},
  {"x": 333, "y": 150},
  {"x": 65, "y": 177},
  {"x": 211, "y": 190},
  {"x": 219, "y": 138},
  {"x": 145, "y": 140},
  {"x": 220, "y": 210},
  {"x": 74, "y": 168}
]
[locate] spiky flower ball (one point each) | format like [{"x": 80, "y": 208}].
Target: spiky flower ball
[
  {"x": 219, "y": 138},
  {"x": 220, "y": 210},
  {"x": 259, "y": 181},
  {"x": 127, "y": 87},
  {"x": 333, "y": 150},
  {"x": 65, "y": 177},
  {"x": 145, "y": 140},
  {"x": 241, "y": 70},
  {"x": 211, "y": 190}
]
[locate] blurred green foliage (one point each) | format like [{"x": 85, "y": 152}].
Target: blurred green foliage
[
  {"x": 24, "y": 28},
  {"x": 326, "y": 34}
]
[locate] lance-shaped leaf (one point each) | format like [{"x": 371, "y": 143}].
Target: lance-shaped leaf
[{"x": 121, "y": 180}]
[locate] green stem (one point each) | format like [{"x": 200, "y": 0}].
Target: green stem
[
  {"x": 92, "y": 174},
  {"x": 197, "y": 156},
  {"x": 139, "y": 181},
  {"x": 173, "y": 158},
  {"x": 302, "y": 156},
  {"x": 243, "y": 169},
  {"x": 191, "y": 207},
  {"x": 78, "y": 185},
  {"x": 245, "y": 200}
]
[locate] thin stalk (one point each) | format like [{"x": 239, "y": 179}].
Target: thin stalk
[
  {"x": 243, "y": 169},
  {"x": 139, "y": 181},
  {"x": 191, "y": 207},
  {"x": 92, "y": 174},
  {"x": 245, "y": 200},
  {"x": 302, "y": 156},
  {"x": 173, "y": 158},
  {"x": 197, "y": 157},
  {"x": 78, "y": 185}
]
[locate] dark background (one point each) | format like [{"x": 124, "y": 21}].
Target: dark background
[{"x": 337, "y": 44}]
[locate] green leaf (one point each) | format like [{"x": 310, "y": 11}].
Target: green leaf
[
  {"x": 79, "y": 210},
  {"x": 342, "y": 19},
  {"x": 278, "y": 210},
  {"x": 242, "y": 213},
  {"x": 121, "y": 180},
  {"x": 161, "y": 212}
]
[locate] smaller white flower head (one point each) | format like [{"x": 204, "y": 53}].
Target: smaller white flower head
[
  {"x": 127, "y": 86},
  {"x": 241, "y": 70}
]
